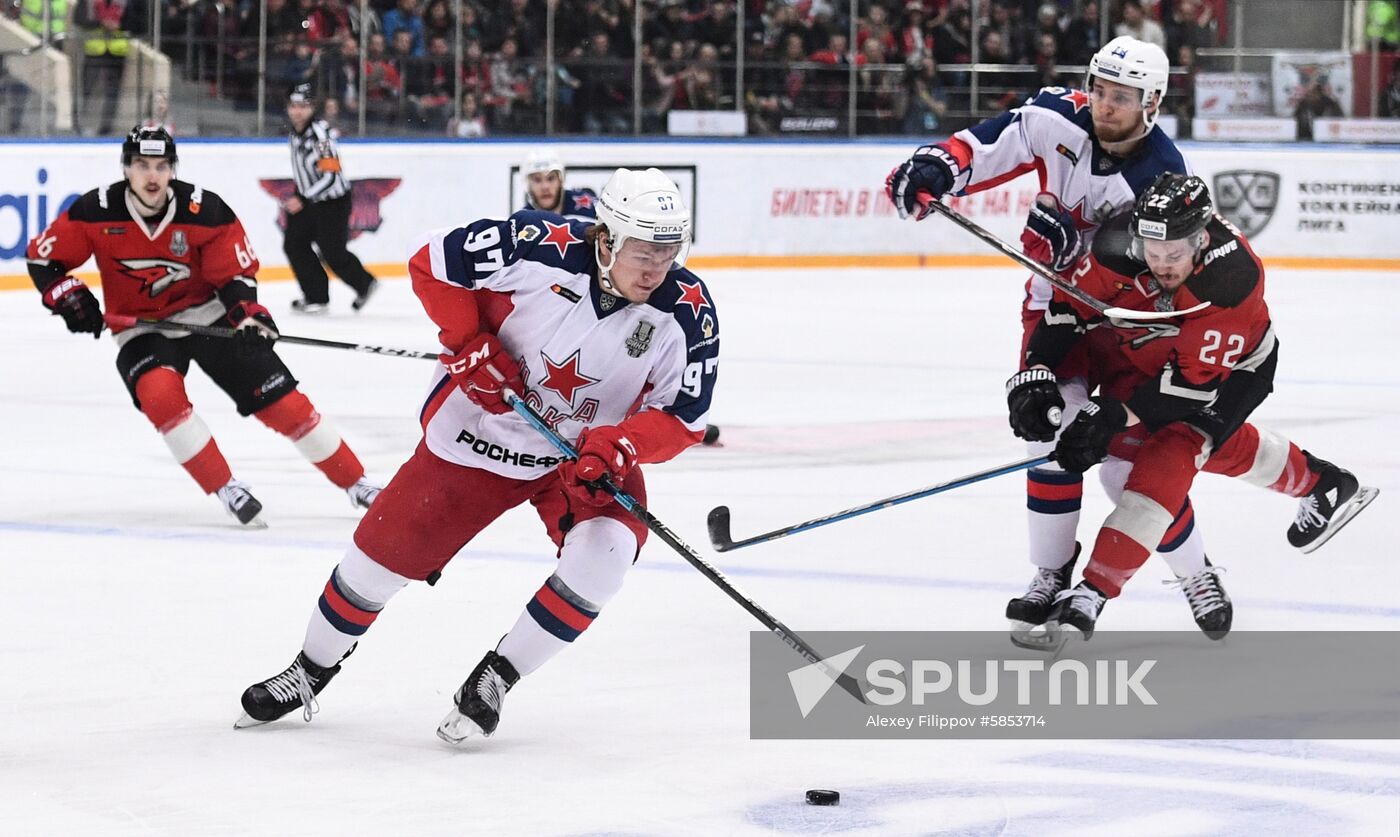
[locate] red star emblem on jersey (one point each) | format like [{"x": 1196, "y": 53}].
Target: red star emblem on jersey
[
  {"x": 694, "y": 296},
  {"x": 583, "y": 200},
  {"x": 561, "y": 237},
  {"x": 1080, "y": 222},
  {"x": 1078, "y": 98},
  {"x": 564, "y": 378}
]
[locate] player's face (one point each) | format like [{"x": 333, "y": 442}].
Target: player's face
[
  {"x": 1171, "y": 262},
  {"x": 148, "y": 178},
  {"x": 299, "y": 113},
  {"x": 1116, "y": 110},
  {"x": 546, "y": 189},
  {"x": 640, "y": 267}
]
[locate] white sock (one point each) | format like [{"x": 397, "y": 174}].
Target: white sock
[
  {"x": 357, "y": 591},
  {"x": 592, "y": 565}
]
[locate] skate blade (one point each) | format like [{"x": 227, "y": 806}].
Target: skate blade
[
  {"x": 1364, "y": 495},
  {"x": 1033, "y": 637},
  {"x": 456, "y": 728},
  {"x": 256, "y": 523},
  {"x": 245, "y": 720}
]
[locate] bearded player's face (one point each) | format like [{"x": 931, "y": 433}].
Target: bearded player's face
[
  {"x": 546, "y": 188},
  {"x": 148, "y": 178},
  {"x": 1116, "y": 110}
]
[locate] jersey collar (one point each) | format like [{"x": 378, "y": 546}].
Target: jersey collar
[{"x": 135, "y": 209}]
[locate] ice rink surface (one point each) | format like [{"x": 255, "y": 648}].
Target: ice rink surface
[{"x": 135, "y": 611}]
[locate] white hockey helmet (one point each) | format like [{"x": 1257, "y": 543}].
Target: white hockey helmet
[
  {"x": 1134, "y": 63},
  {"x": 644, "y": 205},
  {"x": 542, "y": 160}
]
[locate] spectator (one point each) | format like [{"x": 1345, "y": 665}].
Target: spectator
[
  {"x": 513, "y": 90},
  {"x": 1012, "y": 36},
  {"x": 428, "y": 87},
  {"x": 1047, "y": 22},
  {"x": 717, "y": 29},
  {"x": 382, "y": 81},
  {"x": 471, "y": 123},
  {"x": 952, "y": 42},
  {"x": 1136, "y": 24},
  {"x": 405, "y": 16},
  {"x": 604, "y": 97},
  {"x": 1181, "y": 89},
  {"x": 913, "y": 40},
  {"x": 1317, "y": 101},
  {"x": 476, "y": 74},
  {"x": 927, "y": 101},
  {"x": 107, "y": 27},
  {"x": 328, "y": 22},
  {"x": 401, "y": 50},
  {"x": 999, "y": 91},
  {"x": 1082, "y": 37},
  {"x": 877, "y": 90},
  {"x": 14, "y": 94},
  {"x": 658, "y": 92},
  {"x": 438, "y": 22},
  {"x": 1191, "y": 25},
  {"x": 702, "y": 80},
  {"x": 470, "y": 24},
  {"x": 1046, "y": 54}
]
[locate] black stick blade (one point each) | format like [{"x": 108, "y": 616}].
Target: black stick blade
[{"x": 719, "y": 529}]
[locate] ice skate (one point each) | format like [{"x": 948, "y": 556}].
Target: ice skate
[
  {"x": 362, "y": 493},
  {"x": 1210, "y": 604},
  {"x": 1331, "y": 504},
  {"x": 239, "y": 501},
  {"x": 1075, "y": 612},
  {"x": 1029, "y": 611},
  {"x": 298, "y": 686},
  {"x": 363, "y": 299},
  {"x": 301, "y": 306},
  {"x": 479, "y": 701}
]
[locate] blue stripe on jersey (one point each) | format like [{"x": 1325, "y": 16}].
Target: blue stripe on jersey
[
  {"x": 454, "y": 258},
  {"x": 446, "y": 379},
  {"x": 1159, "y": 155},
  {"x": 989, "y": 131},
  {"x": 701, "y": 329}
]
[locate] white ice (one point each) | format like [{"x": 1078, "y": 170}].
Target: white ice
[{"x": 134, "y": 612}]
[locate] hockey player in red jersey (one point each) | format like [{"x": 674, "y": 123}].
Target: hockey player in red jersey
[
  {"x": 1176, "y": 395},
  {"x": 169, "y": 250},
  {"x": 1094, "y": 151},
  {"x": 603, "y": 332}
]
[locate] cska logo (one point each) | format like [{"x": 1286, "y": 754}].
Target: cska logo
[
  {"x": 155, "y": 275},
  {"x": 364, "y": 200}
]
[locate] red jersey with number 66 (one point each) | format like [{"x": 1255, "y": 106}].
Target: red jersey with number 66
[{"x": 155, "y": 268}]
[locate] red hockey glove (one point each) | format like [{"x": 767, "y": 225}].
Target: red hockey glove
[
  {"x": 1050, "y": 236},
  {"x": 602, "y": 452},
  {"x": 483, "y": 369},
  {"x": 70, "y": 299},
  {"x": 255, "y": 330}
]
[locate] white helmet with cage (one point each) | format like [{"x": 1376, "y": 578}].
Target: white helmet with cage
[
  {"x": 542, "y": 160},
  {"x": 644, "y": 205},
  {"x": 1134, "y": 63}
]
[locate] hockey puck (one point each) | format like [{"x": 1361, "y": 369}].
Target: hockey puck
[
  {"x": 823, "y": 797},
  {"x": 711, "y": 435}
]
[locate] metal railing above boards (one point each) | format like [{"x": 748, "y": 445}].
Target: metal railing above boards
[{"x": 470, "y": 68}]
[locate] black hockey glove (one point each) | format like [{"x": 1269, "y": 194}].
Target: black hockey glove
[
  {"x": 928, "y": 175},
  {"x": 70, "y": 299},
  {"x": 255, "y": 330},
  {"x": 1050, "y": 236},
  {"x": 1084, "y": 443},
  {"x": 1035, "y": 403}
]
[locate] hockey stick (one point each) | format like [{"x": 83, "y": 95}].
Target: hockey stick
[
  {"x": 719, "y": 516},
  {"x": 1112, "y": 313},
  {"x": 789, "y": 638},
  {"x": 120, "y": 321}
]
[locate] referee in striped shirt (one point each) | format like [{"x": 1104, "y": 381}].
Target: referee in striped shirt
[{"x": 319, "y": 212}]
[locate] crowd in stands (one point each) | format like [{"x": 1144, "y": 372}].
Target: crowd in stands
[{"x": 797, "y": 55}]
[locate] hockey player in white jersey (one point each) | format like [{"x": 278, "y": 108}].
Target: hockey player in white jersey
[
  {"x": 1094, "y": 151},
  {"x": 544, "y": 188},
  {"x": 605, "y": 333}
]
